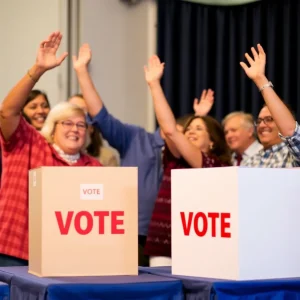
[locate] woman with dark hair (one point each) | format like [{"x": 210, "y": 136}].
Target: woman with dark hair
[
  {"x": 35, "y": 112},
  {"x": 201, "y": 144},
  {"x": 219, "y": 148},
  {"x": 36, "y": 109}
]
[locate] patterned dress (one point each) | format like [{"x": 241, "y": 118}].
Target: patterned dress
[{"x": 159, "y": 234}]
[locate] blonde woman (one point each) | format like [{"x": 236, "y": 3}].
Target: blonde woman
[{"x": 58, "y": 144}]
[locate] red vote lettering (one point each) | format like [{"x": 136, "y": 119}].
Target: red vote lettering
[
  {"x": 204, "y": 222},
  {"x": 64, "y": 228},
  {"x": 225, "y": 225},
  {"x": 89, "y": 221},
  {"x": 186, "y": 227},
  {"x": 91, "y": 191},
  {"x": 101, "y": 215},
  {"x": 116, "y": 222},
  {"x": 213, "y": 217},
  {"x": 201, "y": 223}
]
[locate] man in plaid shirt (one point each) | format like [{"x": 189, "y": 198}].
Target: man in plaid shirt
[{"x": 277, "y": 129}]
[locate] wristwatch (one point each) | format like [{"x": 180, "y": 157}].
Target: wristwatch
[{"x": 269, "y": 84}]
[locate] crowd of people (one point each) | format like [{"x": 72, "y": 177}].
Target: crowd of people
[{"x": 81, "y": 132}]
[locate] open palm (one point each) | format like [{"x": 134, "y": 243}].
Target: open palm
[
  {"x": 84, "y": 57},
  {"x": 257, "y": 63},
  {"x": 154, "y": 70},
  {"x": 203, "y": 106},
  {"x": 46, "y": 56}
]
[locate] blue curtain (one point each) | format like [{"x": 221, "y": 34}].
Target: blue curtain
[{"x": 202, "y": 46}]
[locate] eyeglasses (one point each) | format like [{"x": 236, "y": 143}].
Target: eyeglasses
[
  {"x": 81, "y": 126},
  {"x": 267, "y": 120}
]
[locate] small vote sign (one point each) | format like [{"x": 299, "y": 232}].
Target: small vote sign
[{"x": 91, "y": 191}]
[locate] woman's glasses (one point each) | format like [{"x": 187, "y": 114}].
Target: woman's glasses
[{"x": 68, "y": 125}]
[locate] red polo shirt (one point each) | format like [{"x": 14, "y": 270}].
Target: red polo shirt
[{"x": 27, "y": 149}]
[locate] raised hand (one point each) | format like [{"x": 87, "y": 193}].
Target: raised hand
[
  {"x": 257, "y": 63},
  {"x": 46, "y": 57},
  {"x": 154, "y": 70},
  {"x": 84, "y": 57},
  {"x": 203, "y": 106}
]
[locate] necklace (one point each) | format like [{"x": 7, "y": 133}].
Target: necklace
[{"x": 69, "y": 158}]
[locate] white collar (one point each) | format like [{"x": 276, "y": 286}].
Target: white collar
[
  {"x": 69, "y": 158},
  {"x": 253, "y": 149}
]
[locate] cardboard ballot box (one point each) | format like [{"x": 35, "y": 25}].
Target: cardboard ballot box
[
  {"x": 236, "y": 223},
  {"x": 83, "y": 221}
]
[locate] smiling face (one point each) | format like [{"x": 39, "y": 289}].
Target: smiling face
[
  {"x": 267, "y": 133},
  {"x": 238, "y": 136},
  {"x": 197, "y": 134},
  {"x": 70, "y": 134},
  {"x": 37, "y": 111}
]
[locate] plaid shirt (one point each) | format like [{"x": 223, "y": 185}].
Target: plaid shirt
[
  {"x": 26, "y": 149},
  {"x": 283, "y": 155}
]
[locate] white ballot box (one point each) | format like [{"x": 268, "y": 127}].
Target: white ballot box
[
  {"x": 236, "y": 223},
  {"x": 83, "y": 221}
]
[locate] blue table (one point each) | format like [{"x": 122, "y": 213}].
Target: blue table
[
  {"x": 194, "y": 287},
  {"x": 144, "y": 286},
  {"x": 208, "y": 288},
  {"x": 4, "y": 291}
]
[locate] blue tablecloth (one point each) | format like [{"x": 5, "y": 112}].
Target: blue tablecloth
[
  {"x": 4, "y": 291},
  {"x": 144, "y": 286},
  {"x": 208, "y": 288},
  {"x": 275, "y": 289},
  {"x": 193, "y": 287}
]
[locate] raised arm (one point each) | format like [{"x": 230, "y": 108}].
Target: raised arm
[
  {"x": 176, "y": 141},
  {"x": 280, "y": 113},
  {"x": 203, "y": 105},
  {"x": 89, "y": 92},
  {"x": 118, "y": 134},
  {"x": 13, "y": 103}
]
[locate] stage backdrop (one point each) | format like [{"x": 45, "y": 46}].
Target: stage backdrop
[{"x": 202, "y": 46}]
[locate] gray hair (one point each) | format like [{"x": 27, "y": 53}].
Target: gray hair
[
  {"x": 248, "y": 121},
  {"x": 59, "y": 112}
]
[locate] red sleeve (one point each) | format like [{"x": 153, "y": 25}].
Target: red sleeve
[
  {"x": 94, "y": 162},
  {"x": 87, "y": 160},
  {"x": 24, "y": 134}
]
